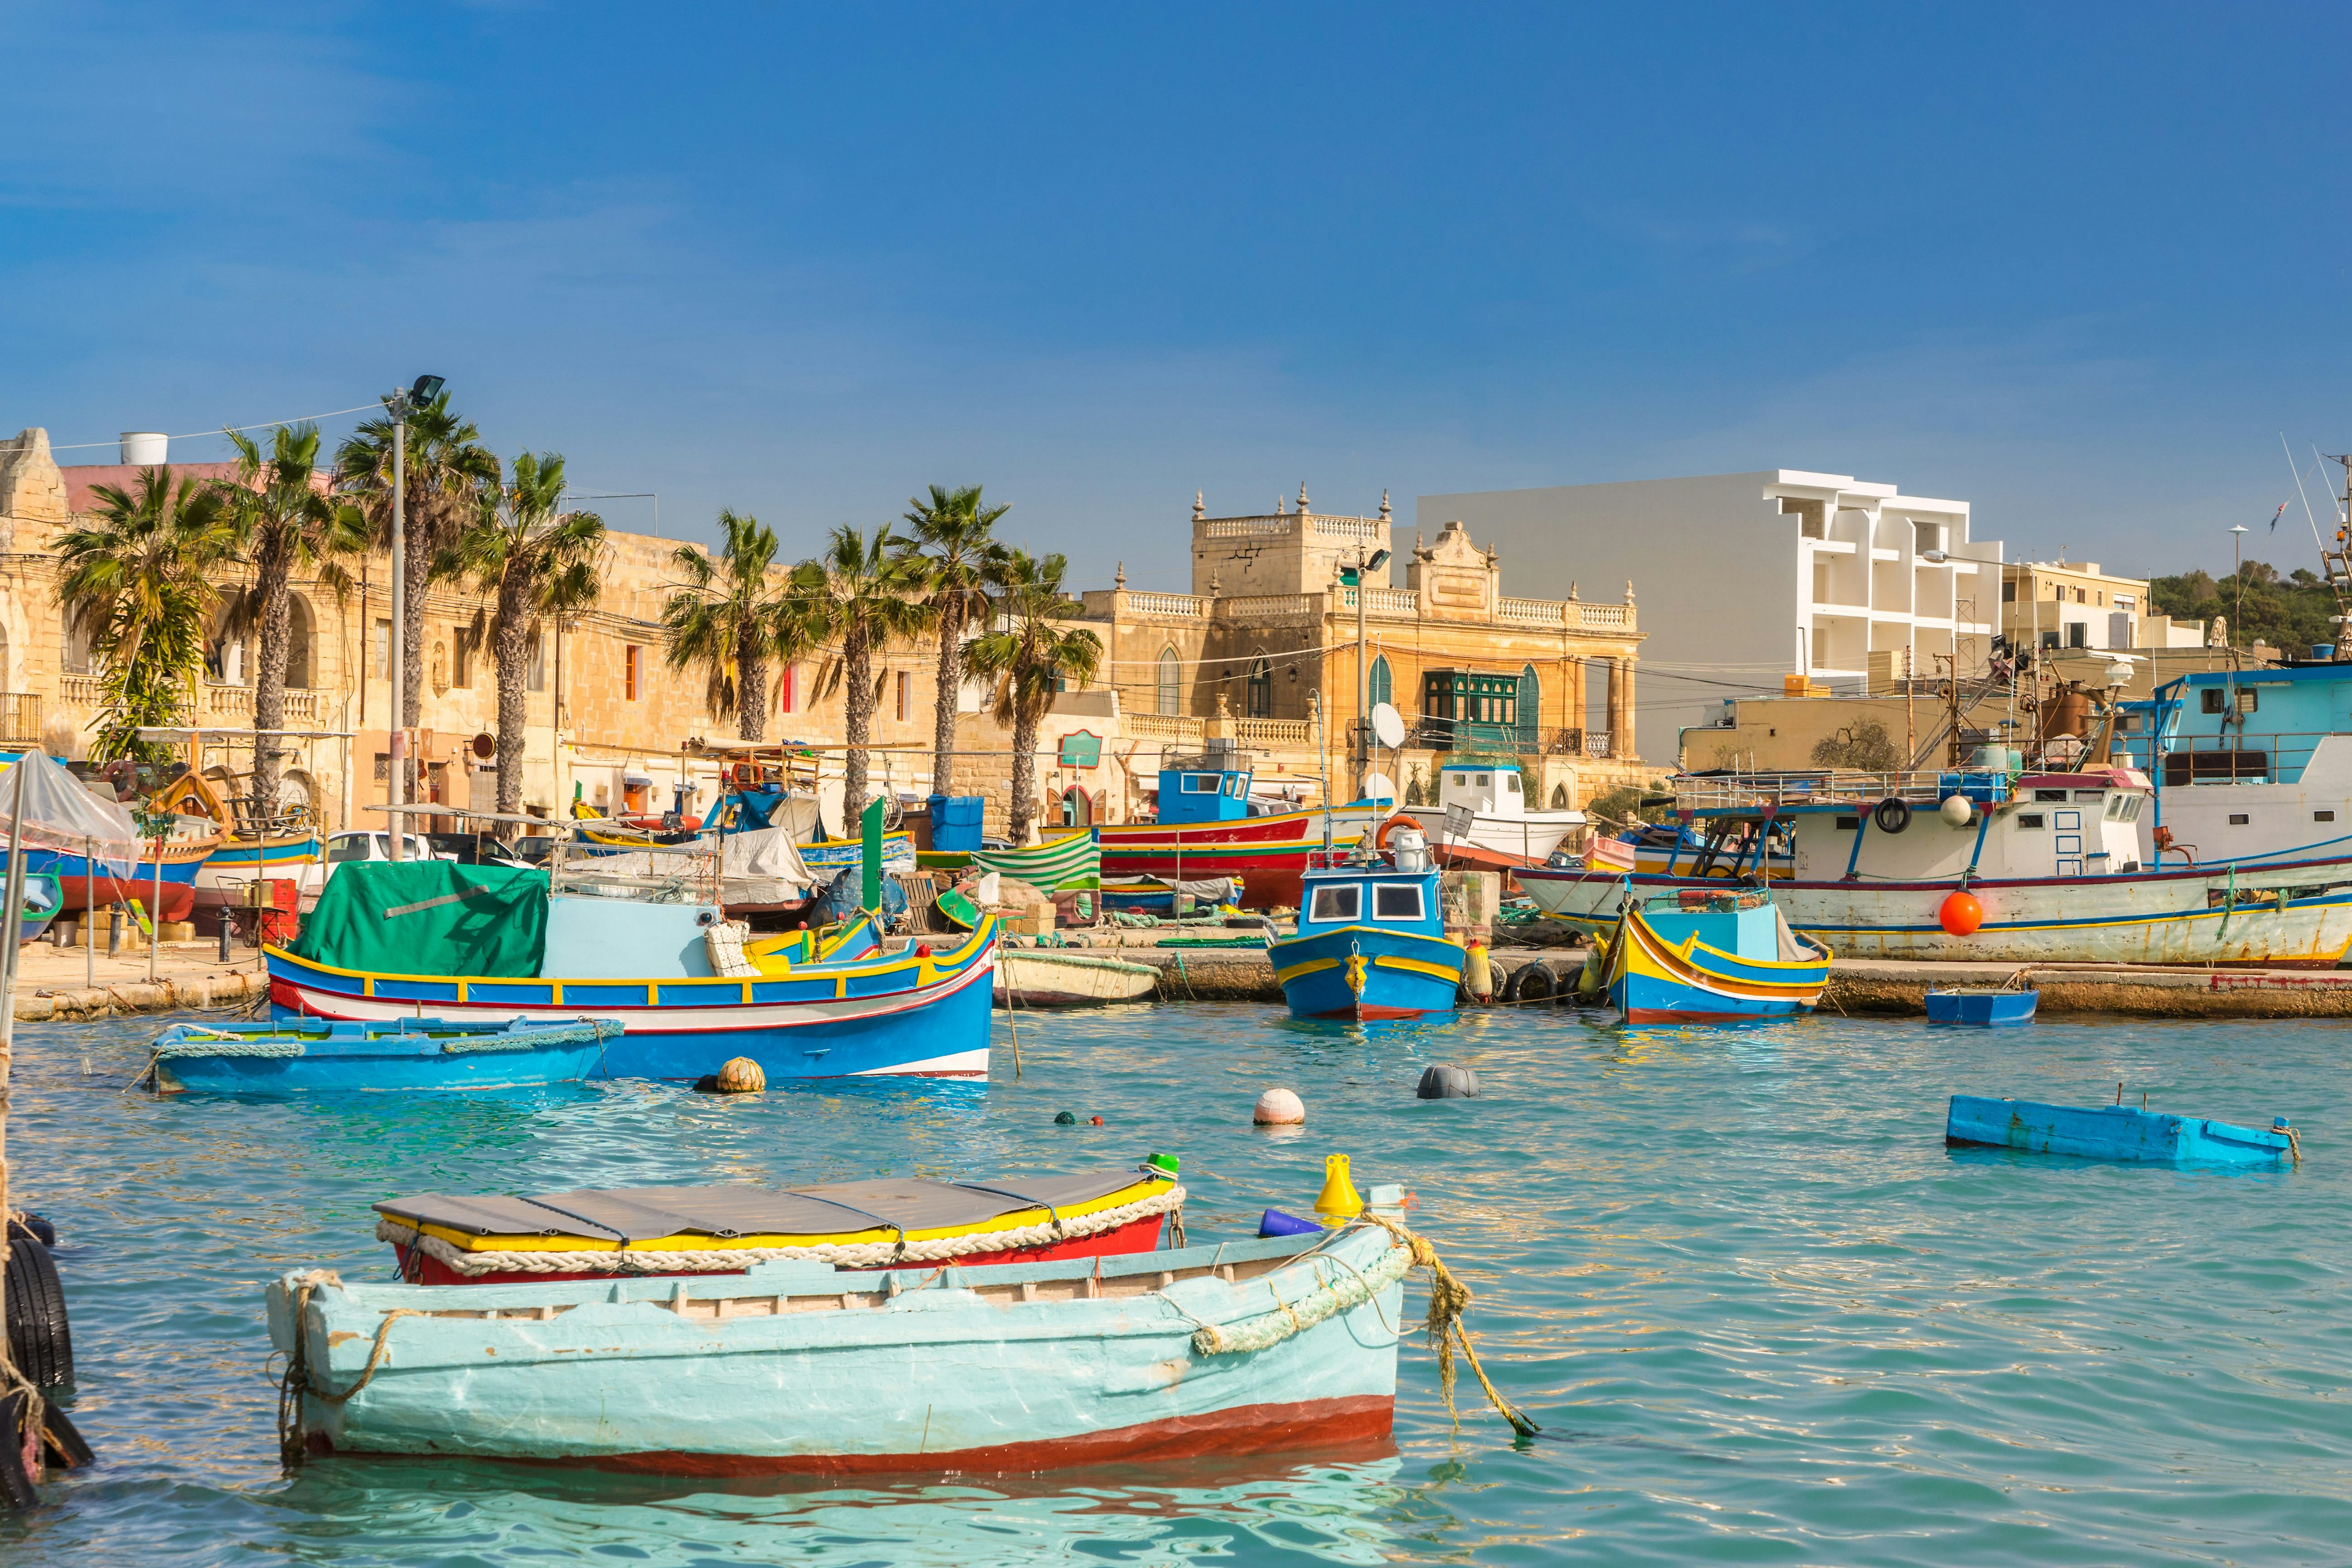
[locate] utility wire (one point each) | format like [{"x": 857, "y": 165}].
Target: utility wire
[{"x": 193, "y": 434}]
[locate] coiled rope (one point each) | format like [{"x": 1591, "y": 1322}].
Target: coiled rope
[
  {"x": 298, "y": 1384},
  {"x": 840, "y": 1255},
  {"x": 1448, "y": 1299}
]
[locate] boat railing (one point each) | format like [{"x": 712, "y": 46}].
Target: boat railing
[
  {"x": 2269, "y": 756},
  {"x": 1773, "y": 791}
]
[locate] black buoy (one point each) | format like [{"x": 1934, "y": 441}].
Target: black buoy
[
  {"x": 1067, "y": 1119},
  {"x": 38, "y": 1341},
  {"x": 1446, "y": 1081},
  {"x": 25, "y": 1223}
]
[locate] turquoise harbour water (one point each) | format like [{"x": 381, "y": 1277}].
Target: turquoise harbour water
[{"x": 1762, "y": 1314}]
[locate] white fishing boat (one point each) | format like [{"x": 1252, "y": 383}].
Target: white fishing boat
[
  {"x": 1500, "y": 823},
  {"x": 2247, "y": 766},
  {"x": 1035, "y": 977},
  {"x": 2043, "y": 868}
]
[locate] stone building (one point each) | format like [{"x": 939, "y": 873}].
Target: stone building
[
  {"x": 1264, "y": 651},
  {"x": 605, "y": 715}
]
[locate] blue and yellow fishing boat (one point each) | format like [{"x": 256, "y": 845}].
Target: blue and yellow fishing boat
[
  {"x": 688, "y": 988},
  {"x": 1705, "y": 956},
  {"x": 1371, "y": 940}
]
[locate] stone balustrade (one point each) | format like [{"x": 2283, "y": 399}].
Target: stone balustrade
[
  {"x": 1162, "y": 726},
  {"x": 1183, "y": 606},
  {"x": 20, "y": 718},
  {"x": 1272, "y": 731},
  {"x": 1269, "y": 607}
]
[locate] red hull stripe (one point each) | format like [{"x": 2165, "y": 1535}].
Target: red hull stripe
[{"x": 1249, "y": 1430}]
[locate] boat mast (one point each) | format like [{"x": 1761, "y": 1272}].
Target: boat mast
[{"x": 2338, "y": 563}]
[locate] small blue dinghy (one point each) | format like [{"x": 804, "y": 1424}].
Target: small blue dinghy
[
  {"x": 1984, "y": 1008},
  {"x": 320, "y": 1056},
  {"x": 2117, "y": 1133}
]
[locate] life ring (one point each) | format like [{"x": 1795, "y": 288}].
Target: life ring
[{"x": 1893, "y": 815}]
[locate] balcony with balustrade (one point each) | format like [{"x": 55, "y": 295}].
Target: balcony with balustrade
[{"x": 20, "y": 719}]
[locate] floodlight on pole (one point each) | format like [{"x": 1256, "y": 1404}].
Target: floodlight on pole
[{"x": 425, "y": 389}]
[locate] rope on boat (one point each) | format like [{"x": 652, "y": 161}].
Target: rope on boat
[
  {"x": 298, "y": 1384},
  {"x": 532, "y": 1039},
  {"x": 224, "y": 1046},
  {"x": 840, "y": 1255},
  {"x": 1448, "y": 1299}
]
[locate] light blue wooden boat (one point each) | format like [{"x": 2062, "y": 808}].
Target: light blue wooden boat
[
  {"x": 1984, "y": 1007},
  {"x": 1371, "y": 943},
  {"x": 1249, "y": 1346},
  {"x": 399, "y": 1055},
  {"x": 2115, "y": 1132}
]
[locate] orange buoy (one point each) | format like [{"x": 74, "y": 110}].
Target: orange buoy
[{"x": 1961, "y": 914}]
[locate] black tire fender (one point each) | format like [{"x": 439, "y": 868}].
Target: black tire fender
[
  {"x": 1893, "y": 815},
  {"x": 38, "y": 1339},
  {"x": 1534, "y": 983}
]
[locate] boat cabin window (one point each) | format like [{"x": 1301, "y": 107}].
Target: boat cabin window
[
  {"x": 1463, "y": 780},
  {"x": 2116, "y": 807},
  {"x": 1849, "y": 823},
  {"x": 2322, "y": 816},
  {"x": 1343, "y": 902},
  {"x": 2216, "y": 700},
  {"x": 1485, "y": 779},
  {"x": 2090, "y": 795},
  {"x": 1511, "y": 783},
  {"x": 2215, "y": 767},
  {"x": 1200, "y": 783},
  {"x": 1396, "y": 902},
  {"x": 2056, "y": 794},
  {"x": 1238, "y": 787},
  {"x": 2031, "y": 819}
]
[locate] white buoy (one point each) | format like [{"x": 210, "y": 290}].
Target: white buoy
[
  {"x": 1957, "y": 810},
  {"x": 1279, "y": 1108}
]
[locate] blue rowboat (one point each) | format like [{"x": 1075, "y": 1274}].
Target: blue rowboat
[
  {"x": 44, "y": 901},
  {"x": 2115, "y": 1132},
  {"x": 1983, "y": 1008},
  {"x": 1372, "y": 941},
  {"x": 651, "y": 968},
  {"x": 835, "y": 854},
  {"x": 317, "y": 1056},
  {"x": 796, "y": 1366},
  {"x": 1708, "y": 955}
]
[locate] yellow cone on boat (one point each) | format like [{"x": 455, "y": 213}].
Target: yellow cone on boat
[
  {"x": 741, "y": 1076},
  {"x": 1337, "y": 1201}
]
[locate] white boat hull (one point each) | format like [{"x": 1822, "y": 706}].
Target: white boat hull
[
  {"x": 2293, "y": 915},
  {"x": 1530, "y": 838}
]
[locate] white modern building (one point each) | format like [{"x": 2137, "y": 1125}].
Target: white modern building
[{"x": 1749, "y": 579}]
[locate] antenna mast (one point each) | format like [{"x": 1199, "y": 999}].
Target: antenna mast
[{"x": 2337, "y": 561}]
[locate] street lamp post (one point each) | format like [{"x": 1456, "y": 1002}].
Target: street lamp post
[
  {"x": 425, "y": 389},
  {"x": 2237, "y": 571},
  {"x": 1353, "y": 577}
]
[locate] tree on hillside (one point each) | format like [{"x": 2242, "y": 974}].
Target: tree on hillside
[
  {"x": 447, "y": 466},
  {"x": 1029, "y": 654},
  {"x": 2290, "y": 613},
  {"x": 725, "y": 619},
  {"x": 286, "y": 523},
  {"x": 532, "y": 560},
  {"x": 852, "y": 600},
  {"x": 143, "y": 577},
  {"x": 951, "y": 530}
]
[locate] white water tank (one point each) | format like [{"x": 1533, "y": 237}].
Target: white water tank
[{"x": 146, "y": 448}]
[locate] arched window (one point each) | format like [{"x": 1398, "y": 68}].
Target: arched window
[
  {"x": 1171, "y": 682},
  {"x": 1378, "y": 680},
  {"x": 78, "y": 631},
  {"x": 1261, "y": 689},
  {"x": 1530, "y": 706},
  {"x": 297, "y": 645}
]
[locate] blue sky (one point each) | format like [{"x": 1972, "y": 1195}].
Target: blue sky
[{"x": 2078, "y": 265}]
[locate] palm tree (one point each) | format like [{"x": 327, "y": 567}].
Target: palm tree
[
  {"x": 531, "y": 558},
  {"x": 951, "y": 530},
  {"x": 285, "y": 523},
  {"x": 144, "y": 577},
  {"x": 859, "y": 595},
  {"x": 725, "y": 619},
  {"x": 1029, "y": 653},
  {"x": 447, "y": 465}
]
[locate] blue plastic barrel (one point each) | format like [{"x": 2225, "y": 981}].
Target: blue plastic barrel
[
  {"x": 2323, "y": 650},
  {"x": 955, "y": 821}
]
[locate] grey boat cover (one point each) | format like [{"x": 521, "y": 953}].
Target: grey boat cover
[{"x": 629, "y": 1215}]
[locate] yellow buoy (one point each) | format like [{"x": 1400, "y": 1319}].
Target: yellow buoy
[
  {"x": 1337, "y": 1201},
  {"x": 1477, "y": 972},
  {"x": 741, "y": 1076}
]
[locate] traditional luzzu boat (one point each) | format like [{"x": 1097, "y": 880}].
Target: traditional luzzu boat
[
  {"x": 1204, "y": 830},
  {"x": 627, "y": 1233},
  {"x": 96, "y": 851},
  {"x": 315, "y": 1056},
  {"x": 1371, "y": 940},
  {"x": 803, "y": 1365},
  {"x": 689, "y": 989},
  {"x": 1709, "y": 955},
  {"x": 249, "y": 850},
  {"x": 828, "y": 857},
  {"x": 2040, "y": 867}
]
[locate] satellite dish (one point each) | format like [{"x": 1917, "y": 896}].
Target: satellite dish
[
  {"x": 1388, "y": 726},
  {"x": 1380, "y": 787}
]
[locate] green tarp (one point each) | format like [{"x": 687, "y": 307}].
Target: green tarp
[{"x": 428, "y": 917}]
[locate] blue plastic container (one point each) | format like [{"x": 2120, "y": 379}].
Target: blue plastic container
[
  {"x": 2323, "y": 650},
  {"x": 955, "y": 822},
  {"x": 1274, "y": 1221},
  {"x": 1982, "y": 1008}
]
